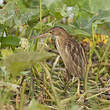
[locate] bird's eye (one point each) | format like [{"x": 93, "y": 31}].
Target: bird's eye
[{"x": 50, "y": 32}]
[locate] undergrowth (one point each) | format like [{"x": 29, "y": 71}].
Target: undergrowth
[{"x": 32, "y": 73}]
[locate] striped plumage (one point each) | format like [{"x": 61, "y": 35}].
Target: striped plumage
[{"x": 70, "y": 51}]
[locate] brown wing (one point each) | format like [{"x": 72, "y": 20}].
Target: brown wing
[{"x": 77, "y": 56}]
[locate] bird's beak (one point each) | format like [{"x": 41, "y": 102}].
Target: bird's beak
[{"x": 42, "y": 36}]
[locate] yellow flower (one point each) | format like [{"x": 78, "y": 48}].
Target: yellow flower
[
  {"x": 101, "y": 38},
  {"x": 87, "y": 40}
]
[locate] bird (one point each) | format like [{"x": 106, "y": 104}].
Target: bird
[{"x": 71, "y": 52}]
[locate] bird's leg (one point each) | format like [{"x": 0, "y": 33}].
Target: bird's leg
[
  {"x": 76, "y": 79},
  {"x": 78, "y": 87}
]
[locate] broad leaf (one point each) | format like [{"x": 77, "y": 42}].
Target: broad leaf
[
  {"x": 97, "y": 5},
  {"x": 11, "y": 41},
  {"x": 20, "y": 61},
  {"x": 34, "y": 105}
]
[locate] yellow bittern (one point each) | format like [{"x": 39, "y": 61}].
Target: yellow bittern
[{"x": 71, "y": 52}]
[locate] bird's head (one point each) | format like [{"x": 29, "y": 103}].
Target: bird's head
[{"x": 58, "y": 32}]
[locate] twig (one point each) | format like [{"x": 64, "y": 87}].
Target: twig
[
  {"x": 56, "y": 60},
  {"x": 50, "y": 50},
  {"x": 98, "y": 64},
  {"x": 105, "y": 90},
  {"x": 52, "y": 86}
]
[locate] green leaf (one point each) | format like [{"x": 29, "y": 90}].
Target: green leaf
[
  {"x": 72, "y": 30},
  {"x": 54, "y": 7},
  {"x": 11, "y": 41},
  {"x": 97, "y": 5},
  {"x": 15, "y": 12},
  {"x": 53, "y": 4},
  {"x": 101, "y": 17},
  {"x": 70, "y": 2},
  {"x": 34, "y": 105},
  {"x": 7, "y": 12},
  {"x": 20, "y": 61},
  {"x": 30, "y": 3},
  {"x": 84, "y": 4},
  {"x": 75, "y": 107},
  {"x": 81, "y": 32}
]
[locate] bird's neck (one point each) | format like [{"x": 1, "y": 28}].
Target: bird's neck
[
  {"x": 62, "y": 37},
  {"x": 60, "y": 40}
]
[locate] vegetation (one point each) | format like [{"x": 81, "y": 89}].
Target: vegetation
[{"x": 32, "y": 75}]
